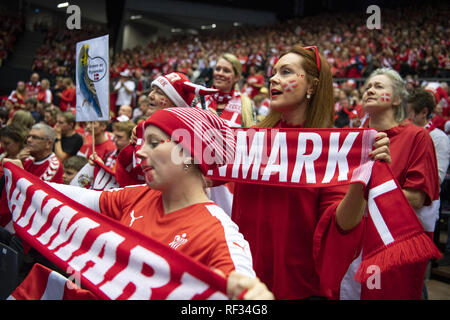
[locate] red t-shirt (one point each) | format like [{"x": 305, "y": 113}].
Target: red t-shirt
[
  {"x": 298, "y": 249},
  {"x": 413, "y": 159},
  {"x": 251, "y": 81},
  {"x": 68, "y": 99},
  {"x": 414, "y": 165},
  {"x": 101, "y": 149},
  {"x": 202, "y": 231},
  {"x": 50, "y": 169}
]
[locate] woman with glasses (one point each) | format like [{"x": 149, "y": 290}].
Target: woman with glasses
[{"x": 288, "y": 228}]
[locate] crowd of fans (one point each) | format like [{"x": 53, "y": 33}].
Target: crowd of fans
[
  {"x": 11, "y": 26},
  {"x": 56, "y": 56},
  {"x": 413, "y": 41}
]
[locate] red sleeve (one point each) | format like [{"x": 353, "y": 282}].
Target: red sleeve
[
  {"x": 114, "y": 202},
  {"x": 111, "y": 203},
  {"x": 334, "y": 249},
  {"x": 58, "y": 178},
  {"x": 422, "y": 172},
  {"x": 68, "y": 95}
]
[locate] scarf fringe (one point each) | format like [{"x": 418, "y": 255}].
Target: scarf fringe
[{"x": 411, "y": 250}]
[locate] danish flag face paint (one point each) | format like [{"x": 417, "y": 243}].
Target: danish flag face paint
[
  {"x": 163, "y": 103},
  {"x": 385, "y": 97},
  {"x": 290, "y": 85}
]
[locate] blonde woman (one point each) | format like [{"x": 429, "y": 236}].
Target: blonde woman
[
  {"x": 229, "y": 104},
  {"x": 414, "y": 165}
]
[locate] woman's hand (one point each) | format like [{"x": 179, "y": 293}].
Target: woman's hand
[
  {"x": 255, "y": 289},
  {"x": 23, "y": 154},
  {"x": 380, "y": 149},
  {"x": 17, "y": 162},
  {"x": 351, "y": 209}
]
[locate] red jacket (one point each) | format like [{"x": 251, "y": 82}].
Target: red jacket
[{"x": 68, "y": 99}]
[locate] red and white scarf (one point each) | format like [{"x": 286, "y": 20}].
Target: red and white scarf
[
  {"x": 232, "y": 110},
  {"x": 304, "y": 158},
  {"x": 71, "y": 235},
  {"x": 113, "y": 261}
]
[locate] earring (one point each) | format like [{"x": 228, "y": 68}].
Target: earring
[
  {"x": 186, "y": 167},
  {"x": 308, "y": 96}
]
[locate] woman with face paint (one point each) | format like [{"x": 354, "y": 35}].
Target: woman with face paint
[
  {"x": 229, "y": 103},
  {"x": 173, "y": 207},
  {"x": 412, "y": 151},
  {"x": 167, "y": 91},
  {"x": 414, "y": 165},
  {"x": 288, "y": 228}
]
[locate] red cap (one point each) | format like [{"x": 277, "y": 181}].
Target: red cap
[{"x": 208, "y": 138}]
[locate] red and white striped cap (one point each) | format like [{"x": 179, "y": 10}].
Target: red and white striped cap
[
  {"x": 179, "y": 89},
  {"x": 207, "y": 138}
]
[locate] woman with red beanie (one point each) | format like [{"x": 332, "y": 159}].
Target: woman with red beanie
[
  {"x": 168, "y": 91},
  {"x": 180, "y": 146}
]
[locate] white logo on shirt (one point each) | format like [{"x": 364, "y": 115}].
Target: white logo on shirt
[
  {"x": 133, "y": 218},
  {"x": 178, "y": 241}
]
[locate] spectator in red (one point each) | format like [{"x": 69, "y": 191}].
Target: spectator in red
[
  {"x": 229, "y": 103},
  {"x": 357, "y": 62},
  {"x": 18, "y": 97},
  {"x": 44, "y": 162},
  {"x": 122, "y": 133},
  {"x": 441, "y": 108},
  {"x": 342, "y": 63},
  {"x": 45, "y": 95},
  {"x": 33, "y": 86},
  {"x": 103, "y": 144},
  {"x": 67, "y": 96},
  {"x": 254, "y": 83}
]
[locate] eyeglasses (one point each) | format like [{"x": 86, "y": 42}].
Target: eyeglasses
[
  {"x": 316, "y": 51},
  {"x": 32, "y": 136}
]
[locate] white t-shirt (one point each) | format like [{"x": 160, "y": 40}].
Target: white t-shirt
[
  {"x": 123, "y": 97},
  {"x": 442, "y": 145}
]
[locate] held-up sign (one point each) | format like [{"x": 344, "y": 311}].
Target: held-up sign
[{"x": 92, "y": 79}]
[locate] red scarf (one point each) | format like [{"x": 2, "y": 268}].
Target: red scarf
[
  {"x": 232, "y": 110},
  {"x": 325, "y": 157},
  {"x": 285, "y": 157},
  {"x": 222, "y": 97},
  {"x": 113, "y": 261}
]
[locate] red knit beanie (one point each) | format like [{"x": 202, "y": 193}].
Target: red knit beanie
[
  {"x": 207, "y": 138},
  {"x": 180, "y": 90}
]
